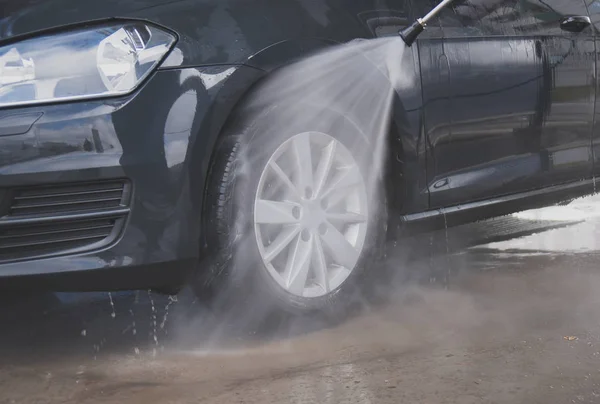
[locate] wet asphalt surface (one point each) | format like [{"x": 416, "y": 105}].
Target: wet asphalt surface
[{"x": 490, "y": 313}]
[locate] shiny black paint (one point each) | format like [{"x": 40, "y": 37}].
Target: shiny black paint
[
  {"x": 162, "y": 137},
  {"x": 521, "y": 95},
  {"x": 18, "y": 124},
  {"x": 163, "y": 147}
]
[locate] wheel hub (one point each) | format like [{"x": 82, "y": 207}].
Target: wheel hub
[{"x": 312, "y": 215}]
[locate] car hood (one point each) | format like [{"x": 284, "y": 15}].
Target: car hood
[{"x": 22, "y": 17}]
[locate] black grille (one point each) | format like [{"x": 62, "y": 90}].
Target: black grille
[
  {"x": 34, "y": 240},
  {"x": 67, "y": 198},
  {"x": 61, "y": 219}
]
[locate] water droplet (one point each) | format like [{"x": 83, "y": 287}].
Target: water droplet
[{"x": 112, "y": 305}]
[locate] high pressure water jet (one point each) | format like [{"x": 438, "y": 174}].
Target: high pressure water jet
[{"x": 410, "y": 34}]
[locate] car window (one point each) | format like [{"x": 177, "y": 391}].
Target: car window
[{"x": 508, "y": 17}]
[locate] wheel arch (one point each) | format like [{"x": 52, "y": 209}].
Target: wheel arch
[
  {"x": 240, "y": 87},
  {"x": 228, "y": 103}
]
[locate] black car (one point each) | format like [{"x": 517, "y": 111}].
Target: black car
[{"x": 133, "y": 157}]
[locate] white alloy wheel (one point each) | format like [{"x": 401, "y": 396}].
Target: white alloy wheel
[{"x": 311, "y": 214}]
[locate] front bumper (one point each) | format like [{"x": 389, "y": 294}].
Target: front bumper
[{"x": 107, "y": 194}]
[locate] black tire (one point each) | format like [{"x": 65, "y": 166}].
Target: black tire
[{"x": 236, "y": 273}]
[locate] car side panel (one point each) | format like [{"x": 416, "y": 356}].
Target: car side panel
[{"x": 522, "y": 98}]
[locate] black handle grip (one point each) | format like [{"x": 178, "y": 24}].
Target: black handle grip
[{"x": 410, "y": 34}]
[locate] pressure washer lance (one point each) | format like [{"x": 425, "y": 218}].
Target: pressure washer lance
[{"x": 411, "y": 33}]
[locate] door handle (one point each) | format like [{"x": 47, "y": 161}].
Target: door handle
[{"x": 575, "y": 23}]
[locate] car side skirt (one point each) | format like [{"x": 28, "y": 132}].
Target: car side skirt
[{"x": 500, "y": 206}]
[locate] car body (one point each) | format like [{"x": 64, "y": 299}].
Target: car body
[{"x": 501, "y": 117}]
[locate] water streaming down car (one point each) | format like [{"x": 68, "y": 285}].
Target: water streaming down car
[{"x": 126, "y": 138}]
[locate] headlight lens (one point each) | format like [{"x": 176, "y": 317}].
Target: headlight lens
[{"x": 105, "y": 61}]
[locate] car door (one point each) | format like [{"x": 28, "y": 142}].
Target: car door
[
  {"x": 594, "y": 11},
  {"x": 521, "y": 93}
]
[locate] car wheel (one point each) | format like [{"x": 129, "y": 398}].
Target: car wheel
[{"x": 295, "y": 220}]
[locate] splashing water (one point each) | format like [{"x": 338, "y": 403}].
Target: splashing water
[
  {"x": 154, "y": 320},
  {"x": 448, "y": 260},
  {"x": 357, "y": 80},
  {"x": 354, "y": 85},
  {"x": 133, "y": 325},
  {"x": 348, "y": 92},
  {"x": 112, "y": 305},
  {"x": 172, "y": 299}
]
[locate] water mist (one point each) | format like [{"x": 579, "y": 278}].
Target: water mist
[
  {"x": 353, "y": 85},
  {"x": 347, "y": 93}
]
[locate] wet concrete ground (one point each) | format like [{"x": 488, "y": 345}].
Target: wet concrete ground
[{"x": 518, "y": 321}]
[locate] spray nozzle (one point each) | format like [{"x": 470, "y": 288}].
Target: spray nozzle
[{"x": 410, "y": 33}]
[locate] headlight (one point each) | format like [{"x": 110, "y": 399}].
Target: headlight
[{"x": 105, "y": 61}]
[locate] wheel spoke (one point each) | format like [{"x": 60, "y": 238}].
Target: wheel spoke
[
  {"x": 346, "y": 218},
  {"x": 334, "y": 198},
  {"x": 340, "y": 275},
  {"x": 282, "y": 240},
  {"x": 274, "y": 212},
  {"x": 324, "y": 167},
  {"x": 303, "y": 155},
  {"x": 343, "y": 180},
  {"x": 285, "y": 179},
  {"x": 342, "y": 252},
  {"x": 298, "y": 266},
  {"x": 321, "y": 271}
]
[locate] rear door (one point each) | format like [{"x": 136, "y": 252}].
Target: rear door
[{"x": 521, "y": 96}]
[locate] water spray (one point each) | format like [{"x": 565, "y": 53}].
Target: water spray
[{"x": 410, "y": 34}]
